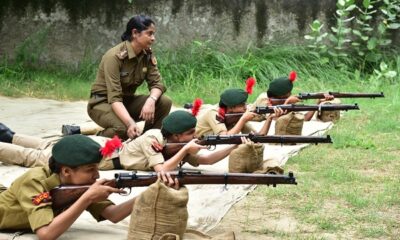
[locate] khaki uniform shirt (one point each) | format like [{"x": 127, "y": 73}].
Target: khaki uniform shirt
[
  {"x": 207, "y": 124},
  {"x": 121, "y": 72},
  {"x": 138, "y": 154},
  {"x": 17, "y": 211}
]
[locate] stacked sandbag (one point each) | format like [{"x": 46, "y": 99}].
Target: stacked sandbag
[
  {"x": 157, "y": 211},
  {"x": 160, "y": 213},
  {"x": 270, "y": 166},
  {"x": 329, "y": 116},
  {"x": 289, "y": 124},
  {"x": 247, "y": 158}
]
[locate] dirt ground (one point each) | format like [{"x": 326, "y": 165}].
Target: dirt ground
[{"x": 253, "y": 218}]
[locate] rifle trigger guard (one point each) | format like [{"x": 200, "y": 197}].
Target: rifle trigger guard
[
  {"x": 127, "y": 192},
  {"x": 211, "y": 147}
]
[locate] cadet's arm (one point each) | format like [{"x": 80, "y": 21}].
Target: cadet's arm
[
  {"x": 62, "y": 222},
  {"x": 267, "y": 125},
  {"x": 116, "y": 213},
  {"x": 208, "y": 159},
  {"x": 247, "y": 116}
]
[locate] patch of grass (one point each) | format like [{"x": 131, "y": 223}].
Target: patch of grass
[{"x": 373, "y": 232}]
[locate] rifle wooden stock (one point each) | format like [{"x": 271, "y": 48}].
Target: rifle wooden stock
[
  {"x": 232, "y": 118},
  {"x": 170, "y": 149},
  {"x": 340, "y": 95},
  {"x": 64, "y": 196}
]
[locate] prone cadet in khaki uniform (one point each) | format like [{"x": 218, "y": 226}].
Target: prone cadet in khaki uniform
[
  {"x": 27, "y": 203},
  {"x": 113, "y": 104},
  {"x": 279, "y": 92},
  {"x": 178, "y": 127},
  {"x": 143, "y": 153},
  {"x": 231, "y": 101}
]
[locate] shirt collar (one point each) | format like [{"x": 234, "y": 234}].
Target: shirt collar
[
  {"x": 131, "y": 53},
  {"x": 52, "y": 181}
]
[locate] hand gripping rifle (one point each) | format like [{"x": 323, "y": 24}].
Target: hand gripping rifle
[
  {"x": 170, "y": 149},
  {"x": 64, "y": 196},
  {"x": 231, "y": 119}
]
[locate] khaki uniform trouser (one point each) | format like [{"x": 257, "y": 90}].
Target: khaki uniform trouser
[
  {"x": 100, "y": 111},
  {"x": 2, "y": 188},
  {"x": 26, "y": 151}
]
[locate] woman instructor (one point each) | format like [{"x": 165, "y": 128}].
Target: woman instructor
[{"x": 113, "y": 104}]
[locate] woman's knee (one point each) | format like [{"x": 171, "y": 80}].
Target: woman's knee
[{"x": 165, "y": 102}]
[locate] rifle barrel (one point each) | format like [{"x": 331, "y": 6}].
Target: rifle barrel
[
  {"x": 312, "y": 107},
  {"x": 236, "y": 139},
  {"x": 340, "y": 95},
  {"x": 133, "y": 179}
]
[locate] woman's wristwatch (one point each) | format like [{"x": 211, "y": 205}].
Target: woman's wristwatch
[{"x": 154, "y": 98}]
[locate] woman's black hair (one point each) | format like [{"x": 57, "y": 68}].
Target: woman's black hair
[
  {"x": 55, "y": 167},
  {"x": 139, "y": 22},
  {"x": 271, "y": 95},
  {"x": 222, "y": 105},
  {"x": 165, "y": 133}
]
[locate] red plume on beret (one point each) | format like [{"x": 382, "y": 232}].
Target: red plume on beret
[
  {"x": 250, "y": 82},
  {"x": 196, "y": 106},
  {"x": 110, "y": 146},
  {"x": 292, "y": 76}
]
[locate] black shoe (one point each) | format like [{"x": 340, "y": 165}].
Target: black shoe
[
  {"x": 70, "y": 130},
  {"x": 188, "y": 106},
  {"x": 6, "y": 135}
]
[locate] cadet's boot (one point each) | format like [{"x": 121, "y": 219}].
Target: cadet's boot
[
  {"x": 6, "y": 135},
  {"x": 70, "y": 130},
  {"x": 188, "y": 106}
]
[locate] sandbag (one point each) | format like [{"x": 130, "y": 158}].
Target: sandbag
[
  {"x": 270, "y": 166},
  {"x": 329, "y": 116},
  {"x": 157, "y": 211},
  {"x": 289, "y": 124},
  {"x": 246, "y": 158}
]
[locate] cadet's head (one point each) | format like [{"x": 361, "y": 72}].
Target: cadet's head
[
  {"x": 281, "y": 87},
  {"x": 139, "y": 28},
  {"x": 234, "y": 99},
  {"x": 179, "y": 126},
  {"x": 75, "y": 158}
]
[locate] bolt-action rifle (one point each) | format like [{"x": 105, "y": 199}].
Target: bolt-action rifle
[
  {"x": 340, "y": 95},
  {"x": 170, "y": 149},
  {"x": 230, "y": 119},
  {"x": 64, "y": 196}
]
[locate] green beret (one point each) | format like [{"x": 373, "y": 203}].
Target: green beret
[
  {"x": 179, "y": 122},
  {"x": 233, "y": 97},
  {"x": 281, "y": 86},
  {"x": 76, "y": 150}
]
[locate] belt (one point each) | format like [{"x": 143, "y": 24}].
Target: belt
[
  {"x": 97, "y": 95},
  {"x": 117, "y": 163}
]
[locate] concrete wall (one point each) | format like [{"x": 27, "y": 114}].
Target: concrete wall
[{"x": 68, "y": 31}]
